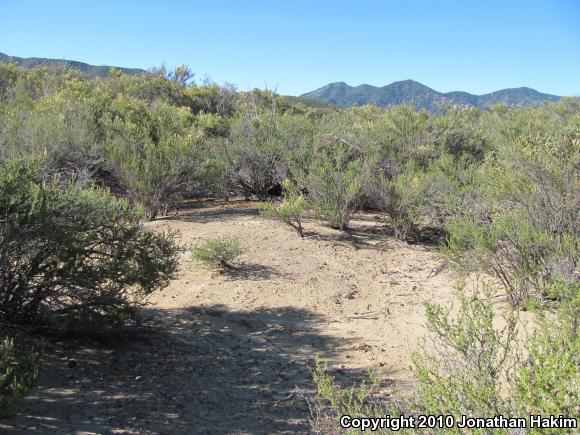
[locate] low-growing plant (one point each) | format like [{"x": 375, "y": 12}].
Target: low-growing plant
[
  {"x": 548, "y": 382},
  {"x": 332, "y": 401},
  {"x": 18, "y": 376},
  {"x": 477, "y": 368},
  {"x": 469, "y": 359},
  {"x": 218, "y": 252},
  {"x": 473, "y": 367},
  {"x": 292, "y": 208}
]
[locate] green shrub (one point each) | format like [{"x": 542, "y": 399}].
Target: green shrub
[
  {"x": 17, "y": 376},
  {"x": 292, "y": 208},
  {"x": 472, "y": 367},
  {"x": 254, "y": 151},
  {"x": 463, "y": 373},
  {"x": 405, "y": 201},
  {"x": 478, "y": 369},
  {"x": 334, "y": 182},
  {"x": 548, "y": 383},
  {"x": 74, "y": 254},
  {"x": 218, "y": 252},
  {"x": 525, "y": 230},
  {"x": 154, "y": 155},
  {"x": 214, "y": 177},
  {"x": 332, "y": 401},
  {"x": 421, "y": 200}
]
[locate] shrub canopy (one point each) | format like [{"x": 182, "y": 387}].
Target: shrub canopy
[{"x": 72, "y": 252}]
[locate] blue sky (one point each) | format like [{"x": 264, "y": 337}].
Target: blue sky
[{"x": 297, "y": 46}]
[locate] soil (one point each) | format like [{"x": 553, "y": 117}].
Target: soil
[{"x": 230, "y": 351}]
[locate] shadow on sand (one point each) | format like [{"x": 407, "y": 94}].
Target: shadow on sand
[
  {"x": 197, "y": 370},
  {"x": 250, "y": 271},
  {"x": 212, "y": 211}
]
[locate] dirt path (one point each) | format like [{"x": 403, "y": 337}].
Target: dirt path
[{"x": 226, "y": 352}]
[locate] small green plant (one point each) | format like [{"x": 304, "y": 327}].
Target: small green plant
[
  {"x": 473, "y": 367},
  {"x": 218, "y": 252},
  {"x": 17, "y": 376},
  {"x": 470, "y": 360},
  {"x": 291, "y": 210},
  {"x": 548, "y": 382},
  {"x": 332, "y": 401}
]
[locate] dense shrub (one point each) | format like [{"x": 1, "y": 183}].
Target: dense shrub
[
  {"x": 18, "y": 375},
  {"x": 334, "y": 182},
  {"x": 155, "y": 157},
  {"x": 61, "y": 129},
  {"x": 214, "y": 177},
  {"x": 212, "y": 99},
  {"x": 526, "y": 230},
  {"x": 73, "y": 254},
  {"x": 254, "y": 152},
  {"x": 157, "y": 175},
  {"x": 137, "y": 135},
  {"x": 292, "y": 208},
  {"x": 218, "y": 252},
  {"x": 420, "y": 201}
]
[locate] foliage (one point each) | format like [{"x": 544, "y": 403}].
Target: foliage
[
  {"x": 74, "y": 254},
  {"x": 472, "y": 367},
  {"x": 334, "y": 182},
  {"x": 18, "y": 375},
  {"x": 254, "y": 153},
  {"x": 292, "y": 208},
  {"x": 157, "y": 166},
  {"x": 548, "y": 382},
  {"x": 526, "y": 232},
  {"x": 217, "y": 252},
  {"x": 498, "y": 187},
  {"x": 471, "y": 359},
  {"x": 478, "y": 371},
  {"x": 333, "y": 401}
]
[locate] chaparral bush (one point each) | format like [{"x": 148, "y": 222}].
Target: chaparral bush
[
  {"x": 74, "y": 254},
  {"x": 334, "y": 182}
]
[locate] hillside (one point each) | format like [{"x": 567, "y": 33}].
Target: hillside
[
  {"x": 91, "y": 71},
  {"x": 412, "y": 92}
]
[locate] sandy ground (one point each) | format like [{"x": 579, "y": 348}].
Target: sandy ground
[{"x": 227, "y": 352}]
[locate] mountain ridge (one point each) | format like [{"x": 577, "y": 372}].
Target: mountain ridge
[
  {"x": 340, "y": 93},
  {"x": 412, "y": 92},
  {"x": 91, "y": 71}
]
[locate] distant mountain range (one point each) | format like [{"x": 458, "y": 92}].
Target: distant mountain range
[
  {"x": 412, "y": 92},
  {"x": 340, "y": 94},
  {"x": 91, "y": 71}
]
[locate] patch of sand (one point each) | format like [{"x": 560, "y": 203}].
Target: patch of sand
[{"x": 364, "y": 289}]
